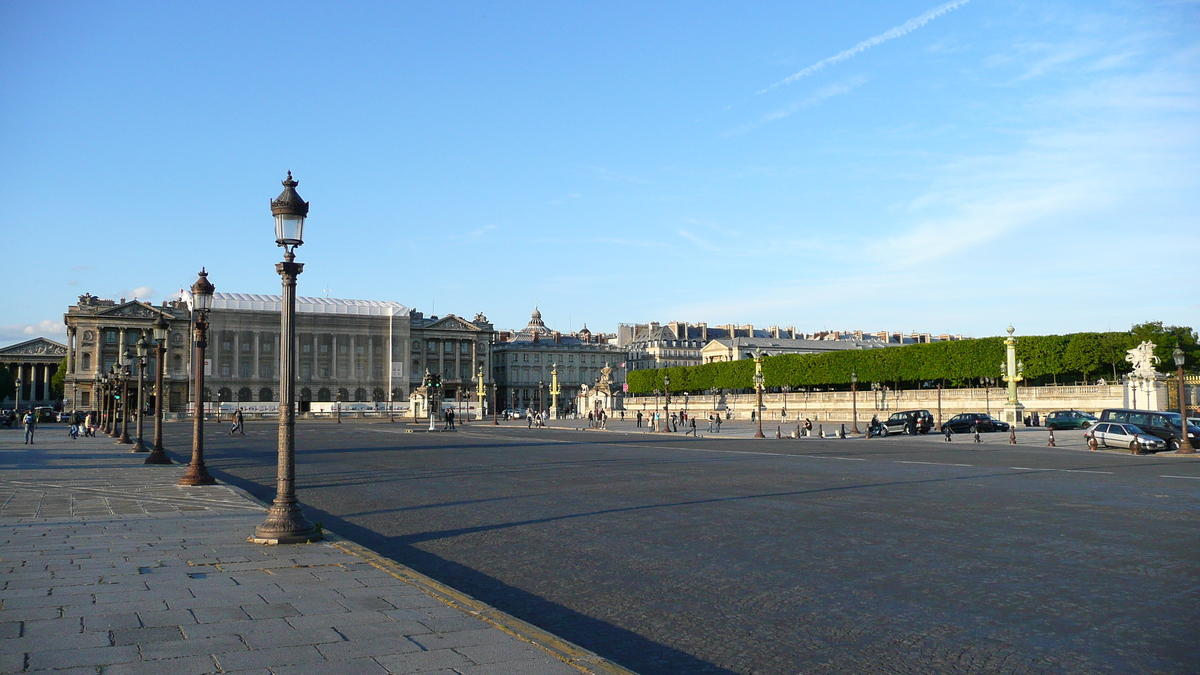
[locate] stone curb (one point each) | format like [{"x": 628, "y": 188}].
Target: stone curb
[{"x": 567, "y": 652}]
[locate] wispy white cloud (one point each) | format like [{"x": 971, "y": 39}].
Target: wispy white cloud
[
  {"x": 25, "y": 331},
  {"x": 820, "y": 96},
  {"x": 139, "y": 293},
  {"x": 890, "y": 34}
]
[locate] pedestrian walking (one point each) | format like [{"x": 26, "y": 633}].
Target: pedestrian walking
[
  {"x": 691, "y": 427},
  {"x": 718, "y": 424},
  {"x": 75, "y": 422},
  {"x": 235, "y": 423},
  {"x": 529, "y": 418},
  {"x": 710, "y": 422},
  {"x": 30, "y": 422}
]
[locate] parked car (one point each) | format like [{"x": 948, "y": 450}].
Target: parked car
[
  {"x": 1167, "y": 426},
  {"x": 999, "y": 425},
  {"x": 1069, "y": 419},
  {"x": 901, "y": 422},
  {"x": 1113, "y": 435},
  {"x": 967, "y": 422}
]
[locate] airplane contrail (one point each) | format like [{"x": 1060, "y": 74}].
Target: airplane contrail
[{"x": 903, "y": 29}]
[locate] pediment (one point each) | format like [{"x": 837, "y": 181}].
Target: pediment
[
  {"x": 135, "y": 310},
  {"x": 35, "y": 347},
  {"x": 452, "y": 323}
]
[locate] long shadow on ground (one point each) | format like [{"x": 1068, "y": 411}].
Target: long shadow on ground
[{"x": 621, "y": 646}]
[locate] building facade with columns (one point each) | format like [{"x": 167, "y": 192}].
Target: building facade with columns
[
  {"x": 525, "y": 359},
  {"x": 99, "y": 331},
  {"x": 32, "y": 365},
  {"x": 348, "y": 350}
]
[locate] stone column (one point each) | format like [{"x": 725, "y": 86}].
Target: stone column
[
  {"x": 70, "y": 351},
  {"x": 257, "y": 347},
  {"x": 47, "y": 392},
  {"x": 333, "y": 361}
]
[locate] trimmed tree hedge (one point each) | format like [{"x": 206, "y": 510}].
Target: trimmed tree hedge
[{"x": 956, "y": 363}]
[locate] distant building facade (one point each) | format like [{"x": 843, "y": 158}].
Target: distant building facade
[
  {"x": 358, "y": 350},
  {"x": 32, "y": 365},
  {"x": 524, "y": 360},
  {"x": 678, "y": 343}
]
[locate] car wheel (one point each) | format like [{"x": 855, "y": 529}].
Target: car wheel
[
  {"x": 883, "y": 431},
  {"x": 1173, "y": 444},
  {"x": 1086, "y": 425}
]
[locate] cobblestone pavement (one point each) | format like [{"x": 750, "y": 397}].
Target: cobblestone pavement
[
  {"x": 679, "y": 555},
  {"x": 107, "y": 567}
]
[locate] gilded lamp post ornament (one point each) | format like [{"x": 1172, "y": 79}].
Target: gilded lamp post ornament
[
  {"x": 1012, "y": 371},
  {"x": 554, "y": 390},
  {"x": 285, "y": 523},
  {"x": 759, "y": 380}
]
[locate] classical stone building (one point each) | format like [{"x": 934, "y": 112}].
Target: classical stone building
[
  {"x": 525, "y": 358},
  {"x": 98, "y": 333},
  {"x": 737, "y": 348},
  {"x": 32, "y": 364},
  {"x": 360, "y": 350},
  {"x": 453, "y": 347}
]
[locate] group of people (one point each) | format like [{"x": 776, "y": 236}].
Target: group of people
[{"x": 77, "y": 422}]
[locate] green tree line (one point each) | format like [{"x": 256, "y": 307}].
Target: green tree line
[{"x": 1047, "y": 358}]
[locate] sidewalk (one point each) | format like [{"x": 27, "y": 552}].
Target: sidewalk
[{"x": 110, "y": 568}]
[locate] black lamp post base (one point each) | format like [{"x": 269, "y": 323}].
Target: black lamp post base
[
  {"x": 157, "y": 456},
  {"x": 139, "y": 447},
  {"x": 124, "y": 440},
  {"x": 285, "y": 526},
  {"x": 197, "y": 475}
]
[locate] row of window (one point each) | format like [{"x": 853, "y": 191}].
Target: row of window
[{"x": 554, "y": 358}]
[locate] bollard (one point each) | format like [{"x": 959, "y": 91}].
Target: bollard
[
  {"x": 798, "y": 434},
  {"x": 820, "y": 431},
  {"x": 843, "y": 432},
  {"x": 1051, "y": 443},
  {"x": 778, "y": 432},
  {"x": 1135, "y": 448},
  {"x": 1012, "y": 436},
  {"x": 1092, "y": 444}
]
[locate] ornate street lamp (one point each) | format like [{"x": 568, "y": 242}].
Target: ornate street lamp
[
  {"x": 114, "y": 399},
  {"x": 202, "y": 297},
  {"x": 759, "y": 380},
  {"x": 854, "y": 395},
  {"x": 1185, "y": 445},
  {"x": 127, "y": 360},
  {"x": 666, "y": 403},
  {"x": 143, "y": 347},
  {"x": 285, "y": 523},
  {"x": 481, "y": 391},
  {"x": 106, "y": 423},
  {"x": 161, "y": 328}
]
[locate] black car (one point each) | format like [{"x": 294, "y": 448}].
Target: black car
[
  {"x": 969, "y": 422},
  {"x": 903, "y": 422},
  {"x": 1165, "y": 425}
]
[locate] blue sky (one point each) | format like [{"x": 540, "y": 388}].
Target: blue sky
[{"x": 939, "y": 167}]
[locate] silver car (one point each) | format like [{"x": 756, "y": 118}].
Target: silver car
[{"x": 1113, "y": 435}]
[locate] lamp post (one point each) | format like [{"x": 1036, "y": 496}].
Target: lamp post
[
  {"x": 481, "y": 392},
  {"x": 126, "y": 375},
  {"x": 666, "y": 403},
  {"x": 339, "y": 402},
  {"x": 759, "y": 380},
  {"x": 114, "y": 399},
  {"x": 540, "y": 399},
  {"x": 202, "y": 297},
  {"x": 97, "y": 402},
  {"x": 17, "y": 394},
  {"x": 161, "y": 328},
  {"x": 1185, "y": 445},
  {"x": 143, "y": 350},
  {"x": 285, "y": 523},
  {"x": 854, "y": 396},
  {"x": 554, "y": 390},
  {"x": 1012, "y": 371}
]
